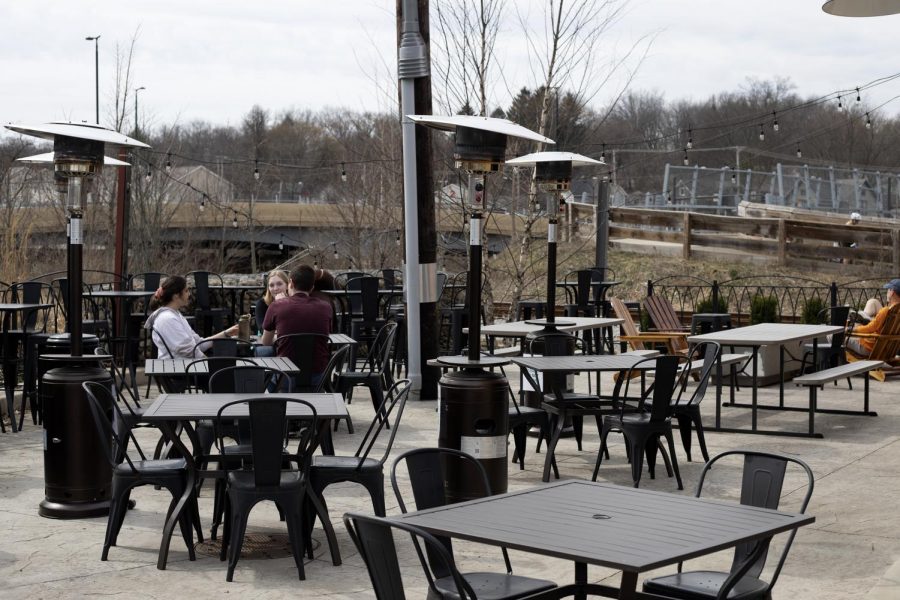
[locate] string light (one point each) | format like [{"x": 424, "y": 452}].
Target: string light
[
  {"x": 686, "y": 161},
  {"x": 762, "y": 133},
  {"x": 343, "y": 173},
  {"x": 149, "y": 174},
  {"x": 203, "y": 203},
  {"x": 840, "y": 104},
  {"x": 335, "y": 252},
  {"x": 799, "y": 153},
  {"x": 733, "y": 176},
  {"x": 690, "y": 142},
  {"x": 168, "y": 162},
  {"x": 858, "y": 99},
  {"x": 603, "y": 154},
  {"x": 234, "y": 220},
  {"x": 281, "y": 243},
  {"x": 256, "y": 171},
  {"x": 868, "y": 122},
  {"x": 775, "y": 124},
  {"x": 398, "y": 238}
]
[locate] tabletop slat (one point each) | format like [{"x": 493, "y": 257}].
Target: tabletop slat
[
  {"x": 582, "y": 362},
  {"x": 766, "y": 334},
  {"x": 522, "y": 328},
  {"x": 178, "y": 366},
  {"x": 181, "y": 407}
]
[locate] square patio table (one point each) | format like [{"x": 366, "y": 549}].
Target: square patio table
[
  {"x": 754, "y": 337},
  {"x": 622, "y": 528},
  {"x": 175, "y": 367},
  {"x": 170, "y": 410}
]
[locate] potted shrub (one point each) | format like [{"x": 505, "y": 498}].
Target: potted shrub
[
  {"x": 706, "y": 306},
  {"x": 812, "y": 312},
  {"x": 764, "y": 309}
]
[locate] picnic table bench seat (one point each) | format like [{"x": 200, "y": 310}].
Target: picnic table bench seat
[{"x": 816, "y": 380}]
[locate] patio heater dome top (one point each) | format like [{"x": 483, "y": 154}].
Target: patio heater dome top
[
  {"x": 480, "y": 141},
  {"x": 82, "y": 131},
  {"x": 49, "y": 157},
  {"x": 553, "y": 170},
  {"x": 530, "y": 160},
  {"x": 862, "y": 8}
]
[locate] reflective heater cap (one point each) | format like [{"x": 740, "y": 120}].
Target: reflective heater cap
[
  {"x": 862, "y": 8},
  {"x": 553, "y": 170}
]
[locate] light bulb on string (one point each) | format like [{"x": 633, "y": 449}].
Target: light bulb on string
[
  {"x": 799, "y": 152},
  {"x": 762, "y": 133},
  {"x": 168, "y": 162},
  {"x": 868, "y": 122},
  {"x": 775, "y": 122},
  {"x": 398, "y": 239},
  {"x": 840, "y": 104},
  {"x": 234, "y": 221},
  {"x": 149, "y": 174},
  {"x": 202, "y": 203},
  {"x": 690, "y": 142},
  {"x": 686, "y": 160},
  {"x": 335, "y": 254},
  {"x": 603, "y": 153},
  {"x": 256, "y": 171},
  {"x": 281, "y": 243},
  {"x": 858, "y": 99},
  {"x": 733, "y": 176},
  {"x": 343, "y": 173}
]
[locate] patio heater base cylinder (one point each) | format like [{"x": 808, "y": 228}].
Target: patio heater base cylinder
[
  {"x": 474, "y": 418},
  {"x": 77, "y": 473}
]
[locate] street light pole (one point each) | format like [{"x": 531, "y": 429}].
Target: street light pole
[
  {"x": 136, "y": 128},
  {"x": 96, "y": 39}
]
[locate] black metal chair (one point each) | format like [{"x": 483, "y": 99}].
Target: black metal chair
[
  {"x": 128, "y": 474},
  {"x": 377, "y": 374},
  {"x": 264, "y": 474},
  {"x": 133, "y": 413},
  {"x": 220, "y": 347},
  {"x": 209, "y": 318},
  {"x": 427, "y": 469},
  {"x": 30, "y": 329},
  {"x": 642, "y": 428},
  {"x": 240, "y": 379},
  {"x": 762, "y": 480},
  {"x": 686, "y": 409},
  {"x": 360, "y": 468}
]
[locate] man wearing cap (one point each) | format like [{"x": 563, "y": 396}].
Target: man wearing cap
[{"x": 863, "y": 346}]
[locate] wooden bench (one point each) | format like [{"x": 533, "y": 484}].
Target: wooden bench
[{"x": 816, "y": 380}]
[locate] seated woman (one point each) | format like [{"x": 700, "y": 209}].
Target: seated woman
[
  {"x": 276, "y": 289},
  {"x": 171, "y": 333}
]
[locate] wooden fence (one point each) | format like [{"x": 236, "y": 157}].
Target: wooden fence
[{"x": 789, "y": 241}]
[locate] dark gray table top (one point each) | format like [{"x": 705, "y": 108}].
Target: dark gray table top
[
  {"x": 581, "y": 362},
  {"x": 177, "y": 407},
  {"x": 132, "y": 294},
  {"x": 602, "y": 524},
  {"x": 14, "y": 306},
  {"x": 178, "y": 366}
]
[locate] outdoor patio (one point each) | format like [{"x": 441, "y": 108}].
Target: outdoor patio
[{"x": 851, "y": 551}]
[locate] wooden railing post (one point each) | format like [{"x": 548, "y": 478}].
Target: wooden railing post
[
  {"x": 782, "y": 242},
  {"x": 895, "y": 237},
  {"x": 686, "y": 236}
]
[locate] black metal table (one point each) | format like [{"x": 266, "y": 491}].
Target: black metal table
[
  {"x": 10, "y": 377},
  {"x": 170, "y": 410},
  {"x": 623, "y": 528},
  {"x": 124, "y": 330}
]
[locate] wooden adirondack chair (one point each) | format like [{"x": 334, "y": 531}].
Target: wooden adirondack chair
[
  {"x": 887, "y": 346},
  {"x": 675, "y": 341}
]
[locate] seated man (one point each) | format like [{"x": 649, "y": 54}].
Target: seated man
[
  {"x": 863, "y": 346},
  {"x": 300, "y": 313}
]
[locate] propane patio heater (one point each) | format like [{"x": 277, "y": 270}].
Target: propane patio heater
[
  {"x": 76, "y": 473},
  {"x": 473, "y": 404},
  {"x": 553, "y": 173}
]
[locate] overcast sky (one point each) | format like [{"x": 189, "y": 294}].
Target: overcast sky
[{"x": 213, "y": 60}]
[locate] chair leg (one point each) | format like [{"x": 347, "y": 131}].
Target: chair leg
[
  {"x": 519, "y": 433},
  {"x": 671, "y": 441},
  {"x": 603, "y": 435},
  {"x": 558, "y": 423},
  {"x": 322, "y": 512},
  {"x": 238, "y": 529},
  {"x": 698, "y": 426},
  {"x": 375, "y": 486},
  {"x": 684, "y": 429},
  {"x": 294, "y": 521},
  {"x": 578, "y": 427},
  {"x": 637, "y": 443}
]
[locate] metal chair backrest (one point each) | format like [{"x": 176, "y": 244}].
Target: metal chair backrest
[
  {"x": 368, "y": 299},
  {"x": 335, "y": 365},
  {"x": 269, "y": 437},
  {"x": 394, "y": 399},
  {"x": 660, "y": 392},
  {"x": 709, "y": 353},
  {"x": 301, "y": 349},
  {"x": 373, "y": 537},
  {"x": 555, "y": 344},
  {"x": 428, "y": 468},
  {"x": 145, "y": 281},
  {"x": 583, "y": 278},
  {"x": 104, "y": 412},
  {"x": 31, "y": 292},
  {"x": 246, "y": 379},
  {"x": 198, "y": 378},
  {"x": 223, "y": 347},
  {"x": 202, "y": 282},
  {"x": 761, "y": 485},
  {"x": 391, "y": 277},
  {"x": 379, "y": 359}
]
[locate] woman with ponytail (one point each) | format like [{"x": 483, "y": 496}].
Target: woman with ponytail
[{"x": 171, "y": 332}]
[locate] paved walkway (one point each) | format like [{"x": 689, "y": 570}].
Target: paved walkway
[{"x": 850, "y": 552}]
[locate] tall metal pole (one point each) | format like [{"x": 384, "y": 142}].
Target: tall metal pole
[
  {"x": 136, "y": 127},
  {"x": 553, "y": 213},
  {"x": 476, "y": 200},
  {"x": 602, "y": 225},
  {"x": 96, "y": 40}
]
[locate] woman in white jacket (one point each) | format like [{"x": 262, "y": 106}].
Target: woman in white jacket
[{"x": 172, "y": 334}]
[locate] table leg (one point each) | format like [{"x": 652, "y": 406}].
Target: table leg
[
  {"x": 168, "y": 430},
  {"x": 753, "y": 393},
  {"x": 628, "y": 587},
  {"x": 9, "y": 372},
  {"x": 580, "y": 581},
  {"x": 781, "y": 376},
  {"x": 719, "y": 392}
]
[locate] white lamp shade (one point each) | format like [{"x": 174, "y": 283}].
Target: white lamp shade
[
  {"x": 862, "y": 8},
  {"x": 48, "y": 157},
  {"x": 84, "y": 131}
]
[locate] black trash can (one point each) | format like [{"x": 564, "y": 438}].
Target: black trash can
[
  {"x": 475, "y": 419},
  {"x": 77, "y": 473}
]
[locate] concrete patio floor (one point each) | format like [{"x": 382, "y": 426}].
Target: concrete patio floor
[{"x": 851, "y": 551}]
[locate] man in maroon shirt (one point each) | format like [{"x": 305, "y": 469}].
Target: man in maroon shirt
[{"x": 300, "y": 313}]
